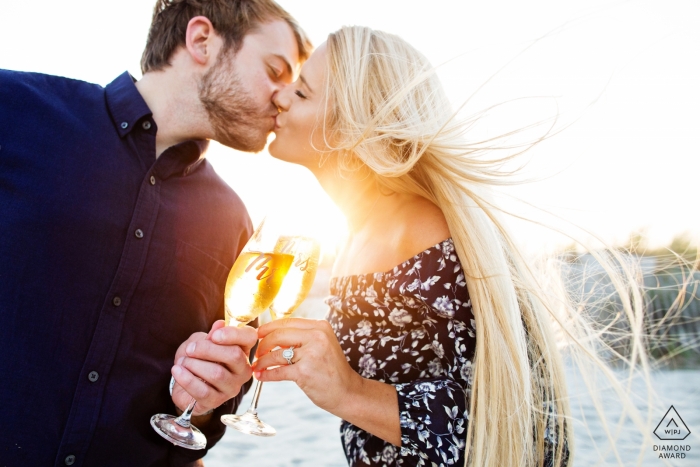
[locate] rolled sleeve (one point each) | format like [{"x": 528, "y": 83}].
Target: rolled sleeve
[{"x": 433, "y": 415}]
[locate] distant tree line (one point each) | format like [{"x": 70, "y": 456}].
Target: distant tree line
[{"x": 682, "y": 245}]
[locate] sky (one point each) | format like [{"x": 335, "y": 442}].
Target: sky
[{"x": 622, "y": 76}]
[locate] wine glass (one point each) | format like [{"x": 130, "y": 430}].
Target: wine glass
[
  {"x": 252, "y": 284},
  {"x": 295, "y": 288}
]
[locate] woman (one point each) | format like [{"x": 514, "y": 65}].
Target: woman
[{"x": 438, "y": 349}]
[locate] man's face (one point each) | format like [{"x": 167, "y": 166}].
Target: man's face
[{"x": 237, "y": 90}]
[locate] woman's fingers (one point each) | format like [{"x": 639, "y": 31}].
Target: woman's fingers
[
  {"x": 286, "y": 338},
  {"x": 293, "y": 331},
  {"x": 319, "y": 367},
  {"x": 282, "y": 373},
  {"x": 284, "y": 323},
  {"x": 275, "y": 358}
]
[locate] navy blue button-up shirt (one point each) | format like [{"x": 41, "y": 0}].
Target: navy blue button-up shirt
[{"x": 109, "y": 259}]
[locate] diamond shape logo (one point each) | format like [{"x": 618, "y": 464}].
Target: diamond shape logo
[{"x": 672, "y": 427}]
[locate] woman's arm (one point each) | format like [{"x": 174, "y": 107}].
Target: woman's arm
[
  {"x": 321, "y": 370},
  {"x": 374, "y": 407},
  {"x": 427, "y": 419}
]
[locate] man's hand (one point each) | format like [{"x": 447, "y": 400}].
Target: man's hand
[{"x": 212, "y": 367}]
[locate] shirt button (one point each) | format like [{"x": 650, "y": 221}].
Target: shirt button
[
  {"x": 69, "y": 460},
  {"x": 93, "y": 376},
  {"x": 153, "y": 180},
  {"x": 124, "y": 125},
  {"x": 117, "y": 301},
  {"x": 139, "y": 233},
  {"x": 146, "y": 125}
]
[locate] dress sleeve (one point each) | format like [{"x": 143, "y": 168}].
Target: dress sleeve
[{"x": 433, "y": 415}]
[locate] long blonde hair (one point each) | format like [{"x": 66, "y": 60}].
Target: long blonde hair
[{"x": 389, "y": 113}]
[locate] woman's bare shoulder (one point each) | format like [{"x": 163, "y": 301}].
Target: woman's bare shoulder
[
  {"x": 411, "y": 226},
  {"x": 424, "y": 226}
]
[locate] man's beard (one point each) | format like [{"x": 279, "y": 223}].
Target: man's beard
[{"x": 235, "y": 118}]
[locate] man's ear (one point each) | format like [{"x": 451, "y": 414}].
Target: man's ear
[{"x": 199, "y": 39}]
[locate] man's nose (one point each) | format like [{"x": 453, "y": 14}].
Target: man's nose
[
  {"x": 281, "y": 99},
  {"x": 280, "y": 85}
]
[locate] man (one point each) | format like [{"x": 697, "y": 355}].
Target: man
[{"x": 116, "y": 237}]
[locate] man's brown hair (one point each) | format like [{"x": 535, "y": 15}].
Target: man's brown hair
[{"x": 232, "y": 19}]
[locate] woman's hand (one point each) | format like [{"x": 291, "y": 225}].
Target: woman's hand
[
  {"x": 319, "y": 366},
  {"x": 321, "y": 370}
]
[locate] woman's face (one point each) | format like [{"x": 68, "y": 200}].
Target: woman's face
[{"x": 302, "y": 110}]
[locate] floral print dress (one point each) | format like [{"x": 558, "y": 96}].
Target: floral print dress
[{"x": 411, "y": 327}]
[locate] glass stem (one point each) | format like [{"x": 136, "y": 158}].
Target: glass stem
[
  {"x": 256, "y": 395},
  {"x": 258, "y": 385},
  {"x": 184, "y": 419}
]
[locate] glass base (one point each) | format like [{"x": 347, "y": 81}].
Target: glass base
[
  {"x": 188, "y": 438},
  {"x": 248, "y": 423}
]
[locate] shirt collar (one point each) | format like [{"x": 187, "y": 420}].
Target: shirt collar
[
  {"x": 125, "y": 103},
  {"x": 182, "y": 159},
  {"x": 127, "y": 107}
]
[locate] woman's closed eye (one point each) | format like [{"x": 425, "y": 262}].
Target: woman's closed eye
[{"x": 300, "y": 94}]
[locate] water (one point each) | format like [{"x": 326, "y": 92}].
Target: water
[
  {"x": 680, "y": 388},
  {"x": 306, "y": 435}
]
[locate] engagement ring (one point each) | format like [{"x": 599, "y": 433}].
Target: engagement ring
[{"x": 288, "y": 355}]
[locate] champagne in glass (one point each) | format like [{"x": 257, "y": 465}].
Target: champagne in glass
[
  {"x": 300, "y": 277},
  {"x": 254, "y": 280},
  {"x": 295, "y": 288},
  {"x": 252, "y": 284}
]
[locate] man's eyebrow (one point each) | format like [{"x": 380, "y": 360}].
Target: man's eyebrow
[
  {"x": 301, "y": 77},
  {"x": 288, "y": 65}
]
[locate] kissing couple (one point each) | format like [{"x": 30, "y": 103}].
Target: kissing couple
[{"x": 118, "y": 236}]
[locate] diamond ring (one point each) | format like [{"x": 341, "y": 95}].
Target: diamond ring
[{"x": 288, "y": 355}]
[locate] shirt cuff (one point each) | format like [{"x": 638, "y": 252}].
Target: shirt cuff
[{"x": 433, "y": 416}]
